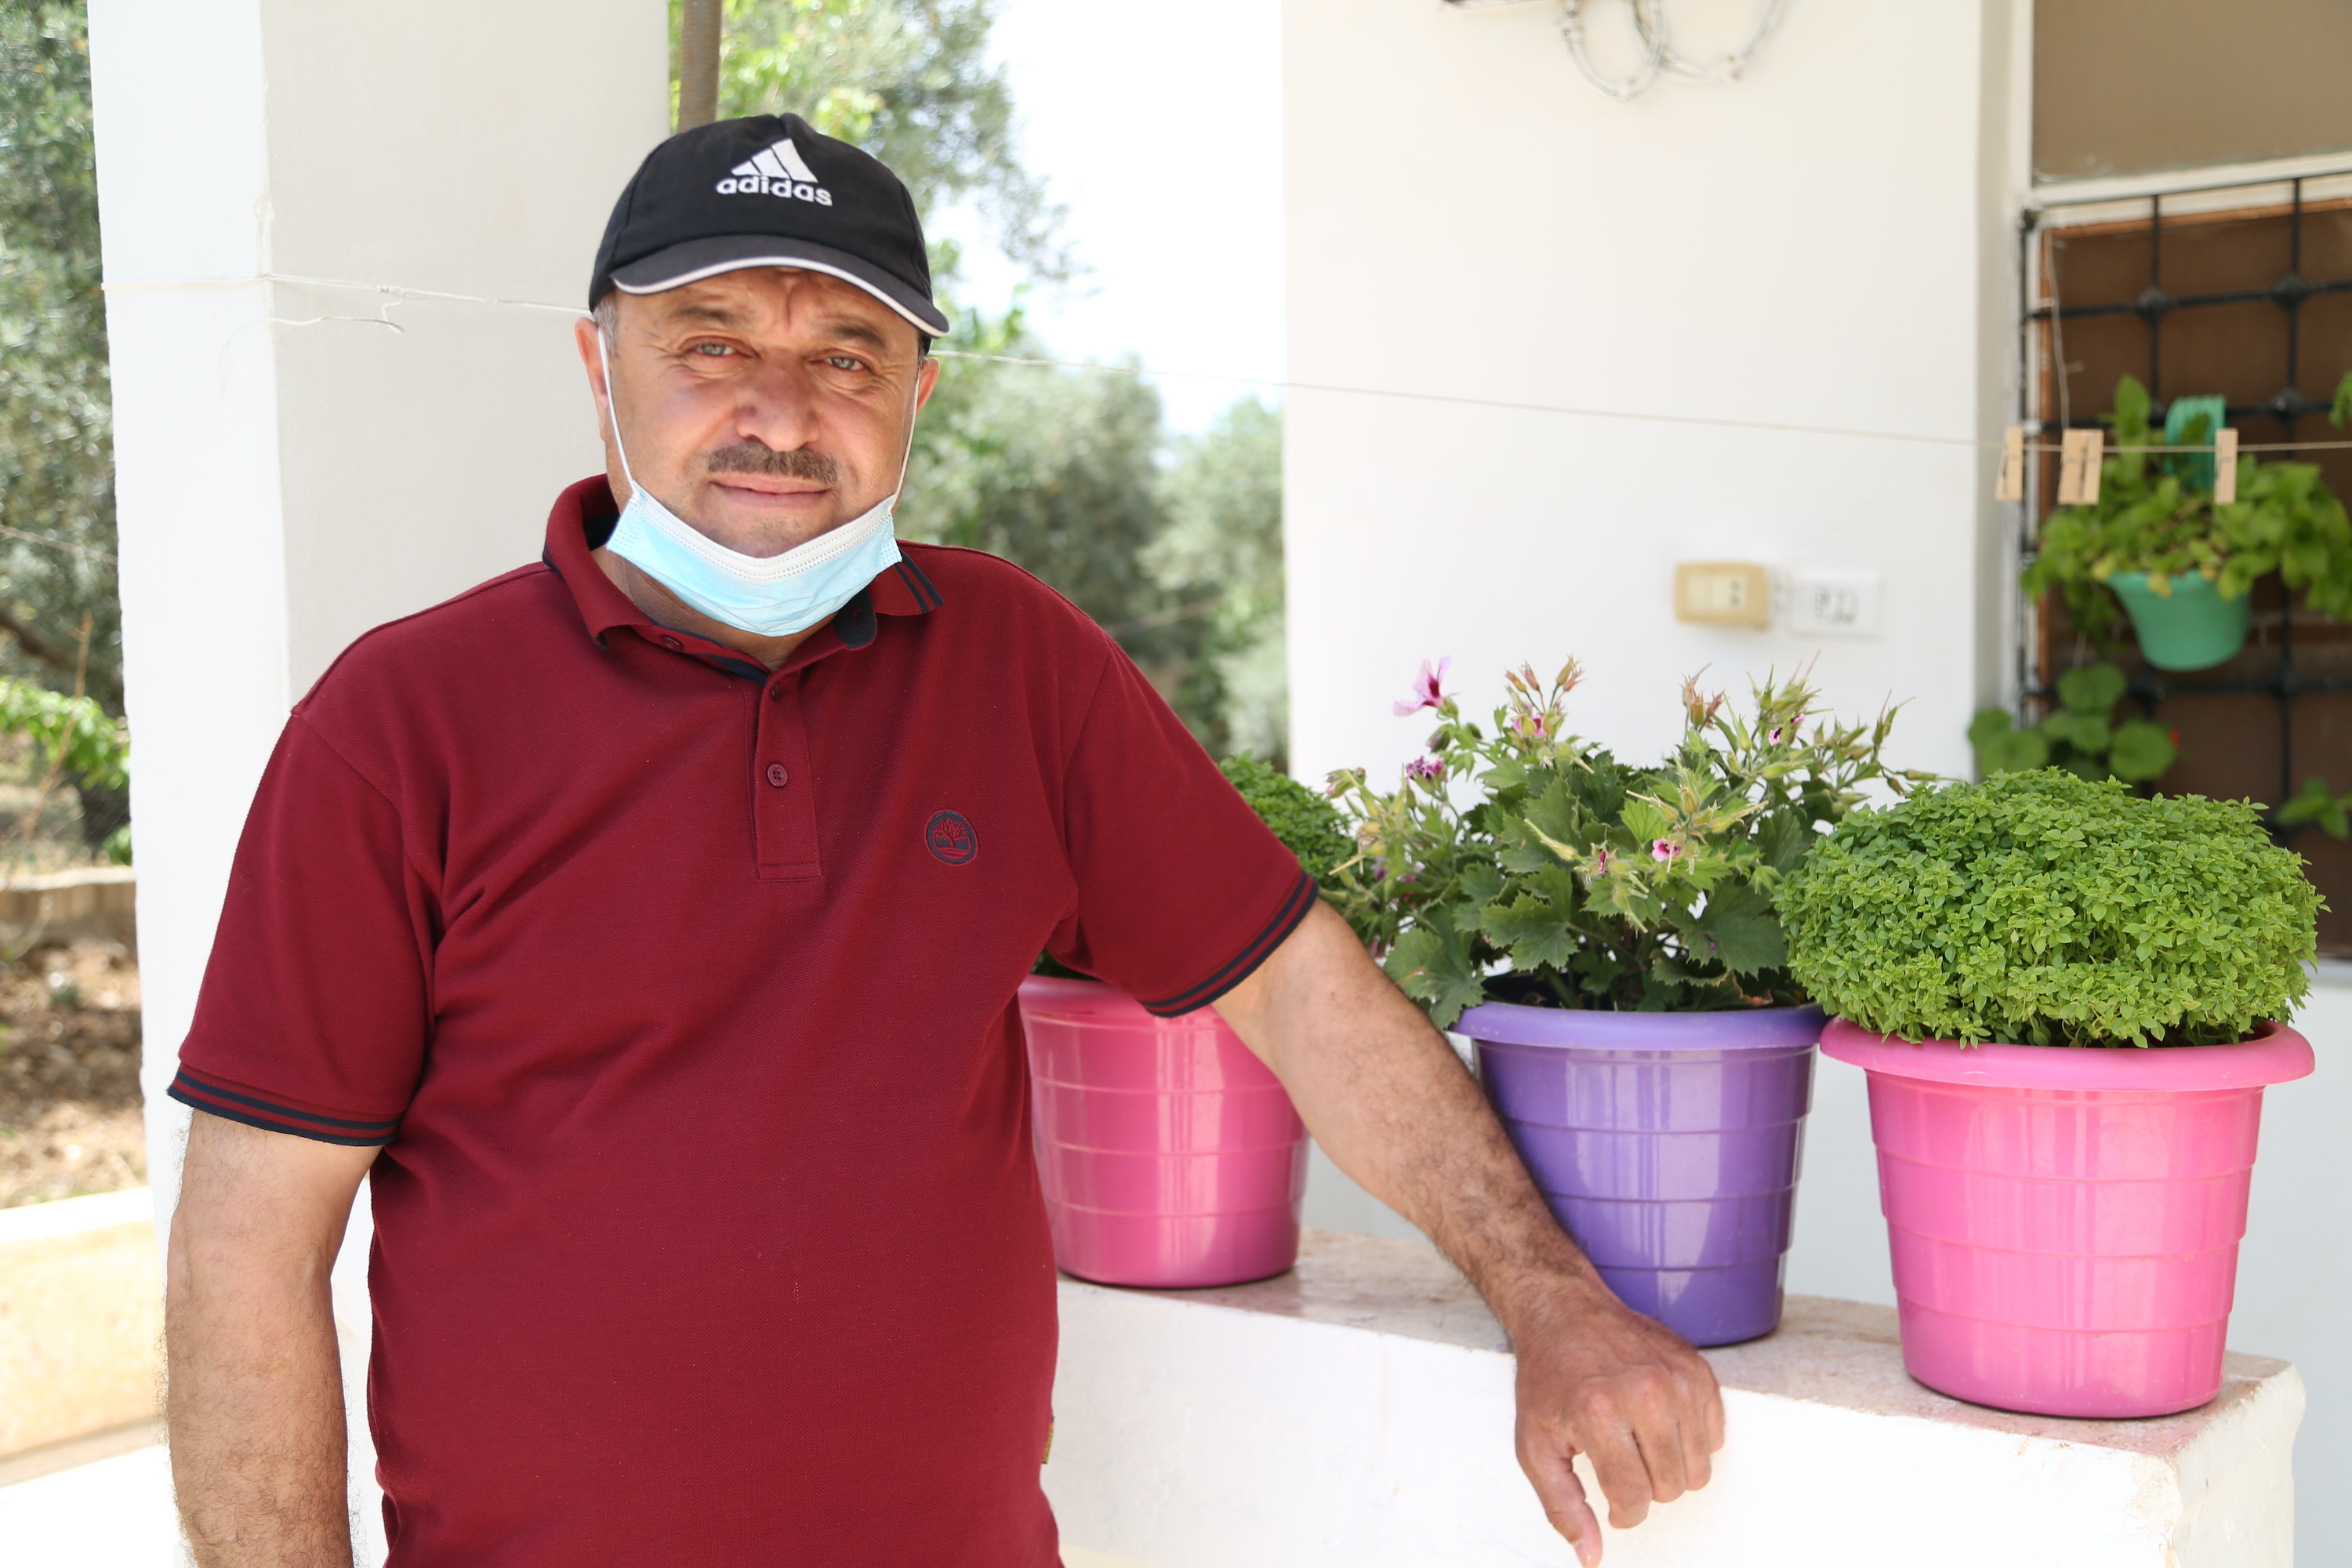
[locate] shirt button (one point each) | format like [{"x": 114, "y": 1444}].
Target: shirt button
[
  {"x": 673, "y": 645},
  {"x": 775, "y": 694},
  {"x": 777, "y": 776}
]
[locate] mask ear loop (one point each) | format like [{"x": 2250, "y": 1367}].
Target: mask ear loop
[{"x": 613, "y": 412}]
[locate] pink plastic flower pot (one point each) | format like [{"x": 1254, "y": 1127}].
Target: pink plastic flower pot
[
  {"x": 2065, "y": 1222},
  {"x": 1169, "y": 1153}
]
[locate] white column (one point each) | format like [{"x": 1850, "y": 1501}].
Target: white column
[{"x": 291, "y": 470}]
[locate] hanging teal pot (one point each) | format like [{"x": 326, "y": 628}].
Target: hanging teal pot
[{"x": 2193, "y": 627}]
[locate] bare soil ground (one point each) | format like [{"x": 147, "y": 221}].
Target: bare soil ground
[{"x": 69, "y": 1101}]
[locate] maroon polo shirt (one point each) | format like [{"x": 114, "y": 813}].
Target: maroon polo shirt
[{"x": 680, "y": 996}]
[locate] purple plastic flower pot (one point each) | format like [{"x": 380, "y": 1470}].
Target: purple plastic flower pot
[{"x": 1667, "y": 1144}]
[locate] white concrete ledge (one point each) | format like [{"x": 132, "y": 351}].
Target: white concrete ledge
[
  {"x": 1358, "y": 1412},
  {"x": 81, "y": 1318}
]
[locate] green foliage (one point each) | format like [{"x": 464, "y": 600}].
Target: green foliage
[
  {"x": 1305, "y": 822},
  {"x": 2045, "y": 908},
  {"x": 1219, "y": 554},
  {"x": 1598, "y": 884},
  {"x": 2082, "y": 736},
  {"x": 2320, "y": 806},
  {"x": 2157, "y": 514},
  {"x": 74, "y": 733},
  {"x": 56, "y": 474},
  {"x": 909, "y": 81},
  {"x": 1055, "y": 470}
]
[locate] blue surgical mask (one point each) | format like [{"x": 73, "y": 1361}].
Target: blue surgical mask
[{"x": 769, "y": 596}]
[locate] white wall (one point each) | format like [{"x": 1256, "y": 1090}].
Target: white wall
[
  {"x": 285, "y": 482},
  {"x": 1468, "y": 218}
]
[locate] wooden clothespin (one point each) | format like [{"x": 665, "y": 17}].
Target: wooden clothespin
[
  {"x": 2079, "y": 456},
  {"x": 2011, "y": 485},
  {"x": 2225, "y": 466}
]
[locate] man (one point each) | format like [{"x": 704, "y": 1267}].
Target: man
[{"x": 646, "y": 922}]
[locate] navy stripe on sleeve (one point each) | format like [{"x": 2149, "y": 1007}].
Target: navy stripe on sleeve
[
  {"x": 1243, "y": 963},
  {"x": 192, "y": 1091}
]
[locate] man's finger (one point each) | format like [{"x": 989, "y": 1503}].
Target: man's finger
[
  {"x": 1659, "y": 1437},
  {"x": 1714, "y": 1413},
  {"x": 1702, "y": 1428},
  {"x": 1552, "y": 1472},
  {"x": 1603, "y": 1433}
]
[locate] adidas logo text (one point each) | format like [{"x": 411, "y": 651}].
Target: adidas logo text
[{"x": 776, "y": 171}]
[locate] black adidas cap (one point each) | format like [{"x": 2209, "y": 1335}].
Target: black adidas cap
[{"x": 767, "y": 190}]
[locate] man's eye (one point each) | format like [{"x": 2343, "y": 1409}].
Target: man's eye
[
  {"x": 713, "y": 351},
  {"x": 845, "y": 362}
]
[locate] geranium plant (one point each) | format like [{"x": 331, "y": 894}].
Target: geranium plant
[
  {"x": 2156, "y": 513},
  {"x": 1524, "y": 864},
  {"x": 2045, "y": 908}
]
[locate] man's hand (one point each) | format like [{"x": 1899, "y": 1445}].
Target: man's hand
[
  {"x": 1390, "y": 1103},
  {"x": 1600, "y": 1379}
]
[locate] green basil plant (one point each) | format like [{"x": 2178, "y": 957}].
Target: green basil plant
[{"x": 2044, "y": 909}]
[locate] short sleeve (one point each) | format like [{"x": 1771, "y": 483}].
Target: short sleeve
[
  {"x": 315, "y": 1011},
  {"x": 1183, "y": 891}
]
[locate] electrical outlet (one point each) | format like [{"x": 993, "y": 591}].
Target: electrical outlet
[
  {"x": 1723, "y": 593},
  {"x": 1834, "y": 603}
]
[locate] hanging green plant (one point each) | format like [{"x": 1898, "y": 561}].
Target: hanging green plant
[
  {"x": 2081, "y": 735},
  {"x": 2156, "y": 532}
]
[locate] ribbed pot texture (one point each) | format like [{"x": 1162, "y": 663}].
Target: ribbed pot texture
[
  {"x": 1668, "y": 1145},
  {"x": 1170, "y": 1154},
  {"x": 2065, "y": 1222}
]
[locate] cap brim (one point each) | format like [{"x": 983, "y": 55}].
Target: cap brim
[{"x": 708, "y": 257}]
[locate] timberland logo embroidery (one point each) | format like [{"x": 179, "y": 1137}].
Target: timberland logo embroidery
[
  {"x": 776, "y": 171},
  {"x": 951, "y": 838}
]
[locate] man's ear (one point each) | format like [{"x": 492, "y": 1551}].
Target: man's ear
[
  {"x": 586, "y": 335},
  {"x": 926, "y": 380}
]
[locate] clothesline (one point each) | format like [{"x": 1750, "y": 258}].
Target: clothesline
[{"x": 402, "y": 293}]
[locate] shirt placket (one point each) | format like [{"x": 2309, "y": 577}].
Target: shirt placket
[{"x": 784, "y": 786}]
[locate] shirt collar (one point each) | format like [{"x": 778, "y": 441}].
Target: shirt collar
[{"x": 588, "y": 508}]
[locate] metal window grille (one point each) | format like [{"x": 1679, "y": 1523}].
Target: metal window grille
[{"x": 2285, "y": 416}]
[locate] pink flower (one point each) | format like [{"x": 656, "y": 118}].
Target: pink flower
[
  {"x": 1428, "y": 770},
  {"x": 1600, "y": 861},
  {"x": 1663, "y": 849},
  {"x": 1425, "y": 693}
]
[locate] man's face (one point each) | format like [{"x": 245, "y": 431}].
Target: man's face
[{"x": 763, "y": 407}]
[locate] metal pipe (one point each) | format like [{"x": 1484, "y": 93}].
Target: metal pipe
[{"x": 698, "y": 64}]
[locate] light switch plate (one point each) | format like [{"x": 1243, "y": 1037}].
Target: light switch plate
[
  {"x": 1833, "y": 602},
  {"x": 1723, "y": 593}
]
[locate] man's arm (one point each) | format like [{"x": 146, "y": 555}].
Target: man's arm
[
  {"x": 257, "y": 1389},
  {"x": 1389, "y": 1101}
]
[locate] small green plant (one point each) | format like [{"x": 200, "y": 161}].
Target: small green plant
[
  {"x": 1308, "y": 822},
  {"x": 2082, "y": 736},
  {"x": 2322, "y": 807},
  {"x": 2156, "y": 513},
  {"x": 2049, "y": 909},
  {"x": 1572, "y": 879},
  {"x": 73, "y": 733}
]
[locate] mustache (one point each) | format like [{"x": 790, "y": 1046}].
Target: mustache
[{"x": 751, "y": 458}]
